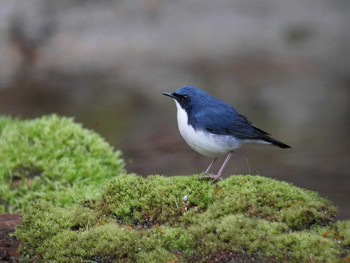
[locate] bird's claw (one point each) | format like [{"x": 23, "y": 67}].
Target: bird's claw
[{"x": 209, "y": 176}]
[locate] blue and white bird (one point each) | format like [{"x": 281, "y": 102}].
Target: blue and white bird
[{"x": 213, "y": 128}]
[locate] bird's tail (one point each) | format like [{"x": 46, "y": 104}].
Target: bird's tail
[{"x": 277, "y": 143}]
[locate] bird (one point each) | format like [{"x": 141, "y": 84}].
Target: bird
[{"x": 213, "y": 128}]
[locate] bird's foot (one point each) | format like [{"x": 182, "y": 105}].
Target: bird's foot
[{"x": 209, "y": 176}]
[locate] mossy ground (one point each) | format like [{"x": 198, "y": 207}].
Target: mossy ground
[
  {"x": 52, "y": 158},
  {"x": 148, "y": 220},
  {"x": 57, "y": 173}
]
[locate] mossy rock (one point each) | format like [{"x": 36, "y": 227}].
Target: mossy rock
[
  {"x": 52, "y": 158},
  {"x": 185, "y": 219}
]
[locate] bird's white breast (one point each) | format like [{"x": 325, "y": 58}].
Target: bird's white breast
[{"x": 208, "y": 144}]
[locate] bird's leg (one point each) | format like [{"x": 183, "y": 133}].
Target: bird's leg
[
  {"x": 210, "y": 165},
  {"x": 215, "y": 177}
]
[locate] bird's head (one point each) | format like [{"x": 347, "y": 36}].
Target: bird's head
[{"x": 187, "y": 96}]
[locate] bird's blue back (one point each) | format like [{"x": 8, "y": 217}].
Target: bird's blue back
[{"x": 210, "y": 114}]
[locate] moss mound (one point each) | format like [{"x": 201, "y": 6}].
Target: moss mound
[
  {"x": 54, "y": 159},
  {"x": 184, "y": 219}
]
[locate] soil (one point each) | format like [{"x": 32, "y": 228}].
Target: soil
[{"x": 8, "y": 244}]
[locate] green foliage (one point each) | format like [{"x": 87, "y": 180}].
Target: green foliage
[
  {"x": 134, "y": 200},
  {"x": 4, "y": 121},
  {"x": 271, "y": 200},
  {"x": 148, "y": 220},
  {"x": 54, "y": 159},
  {"x": 342, "y": 231},
  {"x": 53, "y": 170}
]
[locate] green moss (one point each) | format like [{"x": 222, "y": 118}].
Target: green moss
[
  {"x": 106, "y": 241},
  {"x": 49, "y": 163},
  {"x": 148, "y": 220},
  {"x": 158, "y": 255},
  {"x": 271, "y": 200},
  {"x": 4, "y": 121},
  {"x": 342, "y": 231},
  {"x": 157, "y": 200},
  {"x": 52, "y": 158}
]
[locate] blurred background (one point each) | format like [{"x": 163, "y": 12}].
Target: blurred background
[{"x": 285, "y": 64}]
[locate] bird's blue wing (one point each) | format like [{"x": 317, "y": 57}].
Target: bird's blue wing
[{"x": 222, "y": 119}]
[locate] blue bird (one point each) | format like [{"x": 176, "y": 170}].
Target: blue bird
[{"x": 213, "y": 128}]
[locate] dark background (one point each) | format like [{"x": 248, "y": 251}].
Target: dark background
[{"x": 285, "y": 64}]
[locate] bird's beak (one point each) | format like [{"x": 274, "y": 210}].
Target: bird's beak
[{"x": 169, "y": 95}]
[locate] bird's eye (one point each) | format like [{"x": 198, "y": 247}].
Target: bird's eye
[{"x": 184, "y": 98}]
